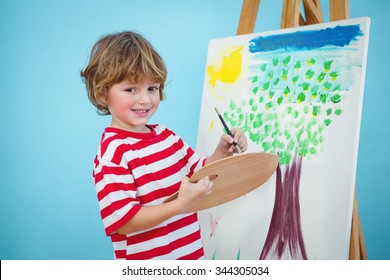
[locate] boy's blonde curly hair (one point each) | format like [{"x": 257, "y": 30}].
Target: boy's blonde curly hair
[{"x": 117, "y": 57}]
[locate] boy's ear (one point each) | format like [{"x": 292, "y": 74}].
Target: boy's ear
[
  {"x": 102, "y": 100},
  {"x": 104, "y": 96}
]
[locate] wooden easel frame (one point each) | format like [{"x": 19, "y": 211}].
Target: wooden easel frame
[{"x": 291, "y": 17}]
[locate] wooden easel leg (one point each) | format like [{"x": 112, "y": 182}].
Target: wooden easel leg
[
  {"x": 290, "y": 13},
  {"x": 313, "y": 11},
  {"x": 363, "y": 252},
  {"x": 248, "y": 17},
  {"x": 354, "y": 248},
  {"x": 357, "y": 249},
  {"x": 339, "y": 9}
]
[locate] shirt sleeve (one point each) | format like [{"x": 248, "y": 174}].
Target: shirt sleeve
[
  {"x": 117, "y": 195},
  {"x": 194, "y": 162}
]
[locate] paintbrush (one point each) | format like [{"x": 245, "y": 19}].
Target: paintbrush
[{"x": 228, "y": 130}]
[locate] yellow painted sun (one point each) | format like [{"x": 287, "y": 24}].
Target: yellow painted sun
[{"x": 229, "y": 68}]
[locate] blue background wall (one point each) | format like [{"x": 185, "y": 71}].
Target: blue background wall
[{"x": 50, "y": 132}]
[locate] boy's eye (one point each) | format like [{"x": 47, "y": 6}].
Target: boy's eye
[
  {"x": 154, "y": 88},
  {"x": 130, "y": 90}
]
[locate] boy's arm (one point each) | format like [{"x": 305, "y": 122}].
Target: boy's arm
[{"x": 150, "y": 216}]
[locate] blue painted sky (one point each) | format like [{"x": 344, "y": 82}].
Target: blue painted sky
[{"x": 339, "y": 36}]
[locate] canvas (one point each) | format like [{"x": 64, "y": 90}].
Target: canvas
[{"x": 297, "y": 93}]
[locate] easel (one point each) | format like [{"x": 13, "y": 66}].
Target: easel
[{"x": 291, "y": 17}]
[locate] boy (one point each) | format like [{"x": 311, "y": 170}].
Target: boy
[{"x": 138, "y": 165}]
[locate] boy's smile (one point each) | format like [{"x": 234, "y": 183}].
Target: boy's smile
[{"x": 132, "y": 104}]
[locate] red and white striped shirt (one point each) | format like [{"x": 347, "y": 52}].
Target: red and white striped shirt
[{"x": 132, "y": 170}]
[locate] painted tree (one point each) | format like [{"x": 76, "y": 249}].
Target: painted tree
[{"x": 294, "y": 97}]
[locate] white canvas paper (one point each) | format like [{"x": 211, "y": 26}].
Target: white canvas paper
[{"x": 297, "y": 93}]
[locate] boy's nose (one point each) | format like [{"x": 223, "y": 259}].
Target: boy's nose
[{"x": 144, "y": 97}]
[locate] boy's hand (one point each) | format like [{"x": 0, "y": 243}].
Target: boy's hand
[
  {"x": 190, "y": 193},
  {"x": 226, "y": 144}
]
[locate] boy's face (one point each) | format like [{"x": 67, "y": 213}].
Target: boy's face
[{"x": 132, "y": 104}]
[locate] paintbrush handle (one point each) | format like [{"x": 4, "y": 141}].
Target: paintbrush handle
[
  {"x": 225, "y": 126},
  {"x": 228, "y": 130}
]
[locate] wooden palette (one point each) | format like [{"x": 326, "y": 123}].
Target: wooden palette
[{"x": 233, "y": 177}]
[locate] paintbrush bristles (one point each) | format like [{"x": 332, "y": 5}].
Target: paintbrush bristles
[{"x": 216, "y": 110}]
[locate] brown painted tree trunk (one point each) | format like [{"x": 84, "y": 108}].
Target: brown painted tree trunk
[{"x": 284, "y": 239}]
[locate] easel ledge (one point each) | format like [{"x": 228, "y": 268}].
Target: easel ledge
[{"x": 291, "y": 17}]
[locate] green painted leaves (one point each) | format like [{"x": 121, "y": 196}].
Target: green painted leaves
[{"x": 290, "y": 103}]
